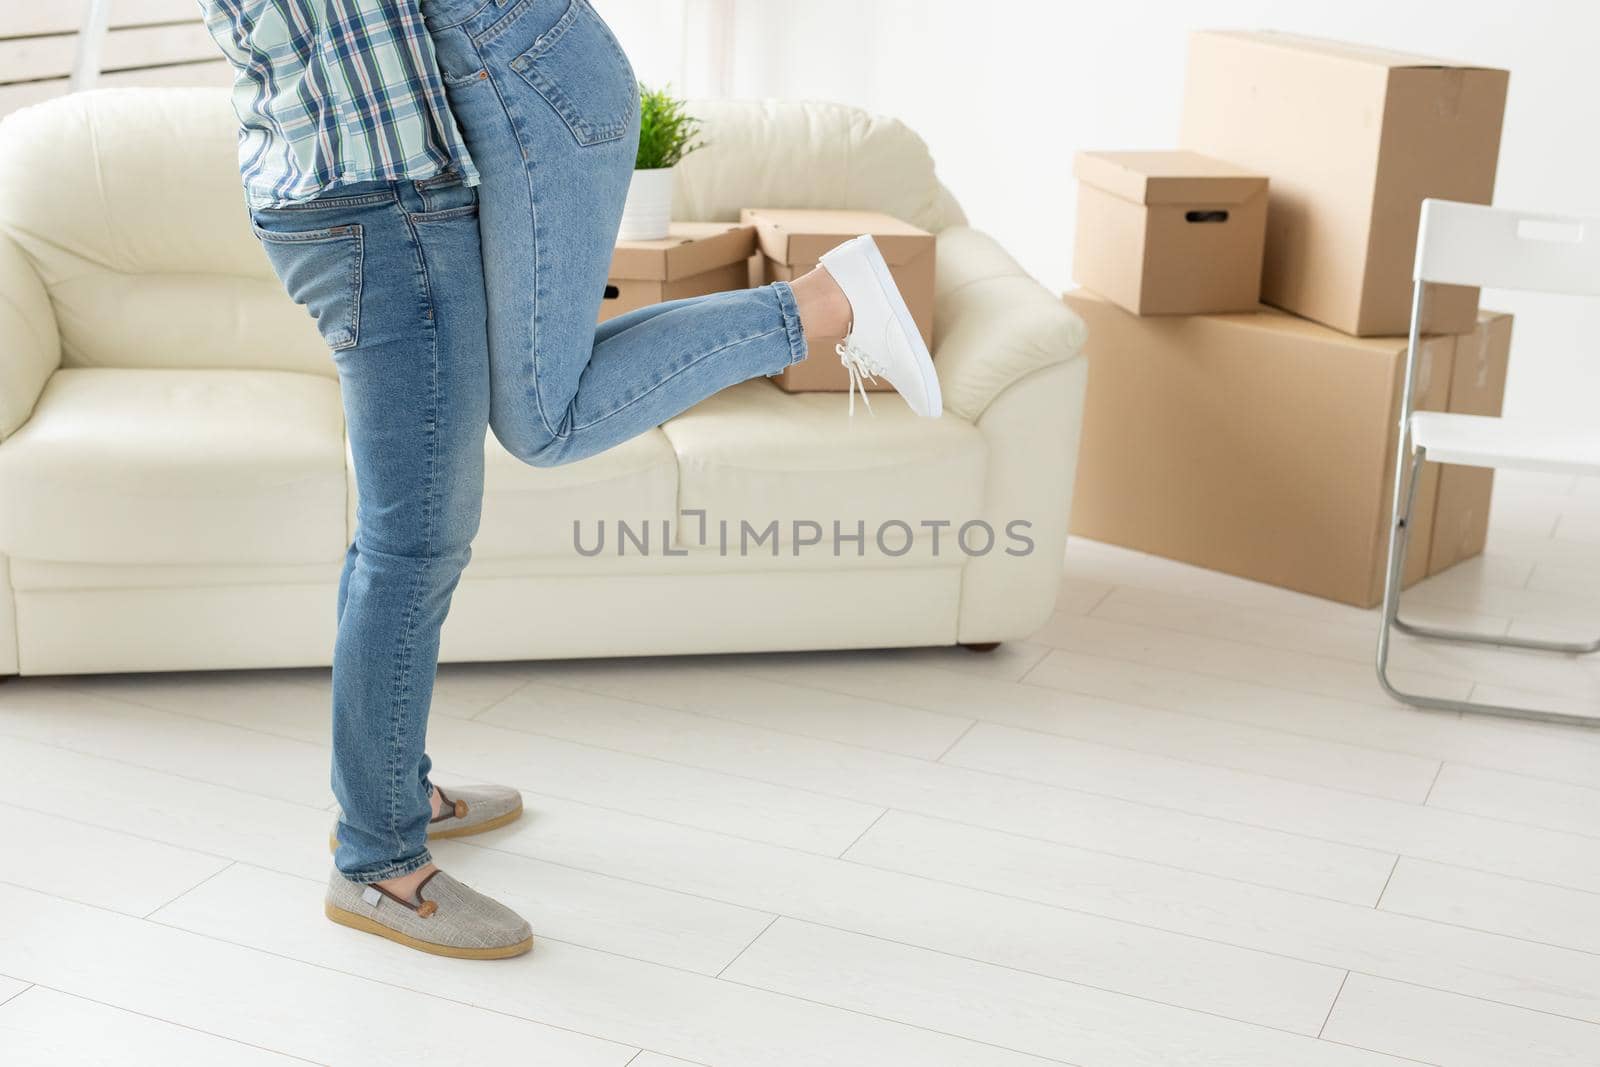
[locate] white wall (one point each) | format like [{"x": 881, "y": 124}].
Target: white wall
[{"x": 1005, "y": 91}]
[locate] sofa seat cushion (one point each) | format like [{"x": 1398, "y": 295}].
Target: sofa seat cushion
[
  {"x": 528, "y": 512},
  {"x": 128, "y": 466},
  {"x": 755, "y": 453}
]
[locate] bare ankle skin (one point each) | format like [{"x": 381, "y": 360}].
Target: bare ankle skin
[
  {"x": 824, "y": 311},
  {"x": 405, "y": 887}
]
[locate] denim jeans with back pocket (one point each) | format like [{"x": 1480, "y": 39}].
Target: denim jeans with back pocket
[{"x": 451, "y": 309}]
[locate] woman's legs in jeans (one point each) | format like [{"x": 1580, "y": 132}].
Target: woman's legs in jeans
[{"x": 552, "y": 124}]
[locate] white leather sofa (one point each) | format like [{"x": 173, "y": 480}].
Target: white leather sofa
[{"x": 174, "y": 484}]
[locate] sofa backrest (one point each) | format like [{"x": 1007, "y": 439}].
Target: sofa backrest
[{"x": 127, "y": 202}]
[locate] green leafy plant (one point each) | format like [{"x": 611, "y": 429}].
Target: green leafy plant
[{"x": 667, "y": 131}]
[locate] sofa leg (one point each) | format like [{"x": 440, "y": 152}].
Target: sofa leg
[{"x": 981, "y": 646}]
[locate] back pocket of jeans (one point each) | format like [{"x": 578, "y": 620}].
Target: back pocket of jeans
[
  {"x": 321, "y": 269},
  {"x": 580, "y": 69}
]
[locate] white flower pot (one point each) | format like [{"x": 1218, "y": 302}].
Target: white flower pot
[{"x": 648, "y": 211}]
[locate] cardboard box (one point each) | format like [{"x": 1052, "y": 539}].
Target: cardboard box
[
  {"x": 1259, "y": 444},
  {"x": 695, "y": 259},
  {"x": 1477, "y": 387},
  {"x": 1353, "y": 139},
  {"x": 791, "y": 240},
  {"x": 1164, "y": 233}
]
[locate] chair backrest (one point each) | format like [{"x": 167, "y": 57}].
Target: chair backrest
[
  {"x": 1470, "y": 244},
  {"x": 127, "y": 203}
]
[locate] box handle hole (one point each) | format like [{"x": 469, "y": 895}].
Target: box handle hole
[
  {"x": 1205, "y": 216},
  {"x": 612, "y": 292}
]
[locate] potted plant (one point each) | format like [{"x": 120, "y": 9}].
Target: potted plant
[{"x": 667, "y": 133}]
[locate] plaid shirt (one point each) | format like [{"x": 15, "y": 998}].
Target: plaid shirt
[{"x": 330, "y": 92}]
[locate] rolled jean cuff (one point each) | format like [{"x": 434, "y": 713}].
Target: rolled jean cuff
[
  {"x": 394, "y": 870},
  {"x": 791, "y": 321}
]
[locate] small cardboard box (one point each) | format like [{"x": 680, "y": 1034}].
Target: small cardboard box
[
  {"x": 1259, "y": 444},
  {"x": 1477, "y": 387},
  {"x": 791, "y": 240},
  {"x": 1353, "y": 139},
  {"x": 1164, "y": 233},
  {"x": 695, "y": 259}
]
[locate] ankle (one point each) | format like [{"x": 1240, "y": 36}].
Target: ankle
[
  {"x": 823, "y": 307},
  {"x": 405, "y": 886}
]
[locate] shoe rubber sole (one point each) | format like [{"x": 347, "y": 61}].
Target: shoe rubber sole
[
  {"x": 891, "y": 292},
  {"x": 366, "y": 925},
  {"x": 466, "y": 831}
]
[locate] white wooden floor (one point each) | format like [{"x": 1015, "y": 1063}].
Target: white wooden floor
[{"x": 1180, "y": 826}]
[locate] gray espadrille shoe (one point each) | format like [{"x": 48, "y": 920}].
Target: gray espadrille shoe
[
  {"x": 471, "y": 809},
  {"x": 447, "y": 918}
]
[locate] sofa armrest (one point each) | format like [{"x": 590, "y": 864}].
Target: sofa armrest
[
  {"x": 30, "y": 346},
  {"x": 993, "y": 323}
]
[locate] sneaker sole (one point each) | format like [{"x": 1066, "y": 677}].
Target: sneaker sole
[
  {"x": 366, "y": 925},
  {"x": 891, "y": 292},
  {"x": 464, "y": 831}
]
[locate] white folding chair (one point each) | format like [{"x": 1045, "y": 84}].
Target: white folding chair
[{"x": 1469, "y": 244}]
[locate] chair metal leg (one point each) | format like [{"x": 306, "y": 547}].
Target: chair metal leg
[
  {"x": 1399, "y": 537},
  {"x": 1574, "y": 648}
]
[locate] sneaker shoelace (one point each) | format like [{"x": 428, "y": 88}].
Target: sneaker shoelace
[{"x": 862, "y": 369}]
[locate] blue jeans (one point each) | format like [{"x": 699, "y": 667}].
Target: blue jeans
[{"x": 452, "y": 309}]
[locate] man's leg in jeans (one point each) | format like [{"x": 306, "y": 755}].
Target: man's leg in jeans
[{"x": 415, "y": 390}]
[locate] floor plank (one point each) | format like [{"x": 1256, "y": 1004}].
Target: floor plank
[
  {"x": 1300, "y": 672},
  {"x": 888, "y": 727},
  {"x": 1334, "y": 934},
  {"x": 593, "y": 909},
  {"x": 1442, "y": 1028},
  {"x": 1066, "y": 1022},
  {"x": 676, "y": 1012},
  {"x": 199, "y": 816},
  {"x": 78, "y": 861},
  {"x": 1156, "y": 731},
  {"x": 44, "y": 1028},
  {"x": 11, "y": 987},
  {"x": 283, "y": 760},
  {"x": 1518, "y": 798},
  {"x": 1528, "y": 910},
  {"x": 1016, "y": 933},
  {"x": 1354, "y": 642},
  {"x": 1076, "y": 817},
  {"x": 106, "y": 957},
  {"x": 1559, "y": 754},
  {"x": 275, "y": 766},
  {"x": 1322, "y": 814}
]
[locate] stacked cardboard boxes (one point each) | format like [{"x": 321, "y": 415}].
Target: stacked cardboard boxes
[{"x": 1263, "y": 443}]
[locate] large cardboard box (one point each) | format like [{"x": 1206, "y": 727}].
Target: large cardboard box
[
  {"x": 1259, "y": 444},
  {"x": 1164, "y": 233},
  {"x": 790, "y": 242},
  {"x": 1353, "y": 140},
  {"x": 694, "y": 259},
  {"x": 1477, "y": 387}
]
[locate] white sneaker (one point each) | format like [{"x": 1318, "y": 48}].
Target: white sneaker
[{"x": 884, "y": 341}]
